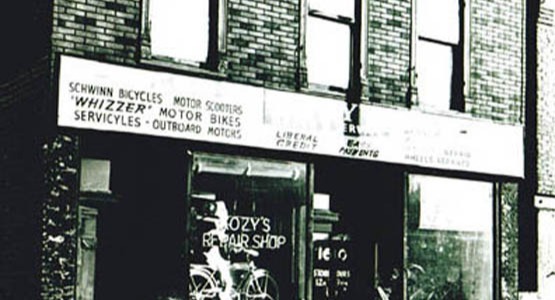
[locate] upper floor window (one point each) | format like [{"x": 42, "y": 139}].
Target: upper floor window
[
  {"x": 189, "y": 32},
  {"x": 439, "y": 53},
  {"x": 333, "y": 43}
]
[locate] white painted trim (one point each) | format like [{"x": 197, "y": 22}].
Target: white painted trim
[
  {"x": 544, "y": 202},
  {"x": 528, "y": 296}
]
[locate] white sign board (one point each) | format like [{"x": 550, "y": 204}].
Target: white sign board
[{"x": 101, "y": 96}]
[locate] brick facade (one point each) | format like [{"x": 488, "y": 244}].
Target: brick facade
[
  {"x": 545, "y": 147},
  {"x": 59, "y": 218},
  {"x": 495, "y": 42},
  {"x": 496, "y": 60},
  {"x": 104, "y": 30},
  {"x": 546, "y": 102},
  {"x": 389, "y": 51},
  {"x": 262, "y": 42},
  {"x": 509, "y": 241},
  {"x": 262, "y": 49}
]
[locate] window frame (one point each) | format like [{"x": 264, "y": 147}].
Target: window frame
[
  {"x": 214, "y": 63},
  {"x": 495, "y": 231},
  {"x": 461, "y": 61},
  {"x": 358, "y": 54},
  {"x": 245, "y": 168}
]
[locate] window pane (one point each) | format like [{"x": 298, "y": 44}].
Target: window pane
[
  {"x": 95, "y": 175},
  {"x": 344, "y": 8},
  {"x": 449, "y": 238},
  {"x": 328, "y": 52},
  {"x": 179, "y": 28},
  {"x": 434, "y": 69},
  {"x": 458, "y": 205},
  {"x": 438, "y": 19},
  {"x": 241, "y": 222}
]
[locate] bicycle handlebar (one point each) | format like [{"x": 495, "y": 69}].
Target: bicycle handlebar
[{"x": 251, "y": 252}]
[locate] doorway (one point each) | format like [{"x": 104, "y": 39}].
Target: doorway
[
  {"x": 364, "y": 204},
  {"x": 248, "y": 228},
  {"x": 140, "y": 222}
]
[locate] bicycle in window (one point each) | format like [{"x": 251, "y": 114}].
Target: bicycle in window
[{"x": 249, "y": 282}]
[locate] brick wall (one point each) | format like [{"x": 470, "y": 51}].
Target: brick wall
[
  {"x": 545, "y": 145},
  {"x": 509, "y": 241},
  {"x": 496, "y": 60},
  {"x": 59, "y": 218},
  {"x": 262, "y": 46},
  {"x": 261, "y": 36},
  {"x": 100, "y": 29},
  {"x": 389, "y": 36},
  {"x": 262, "y": 42},
  {"x": 546, "y": 101},
  {"x": 21, "y": 190},
  {"x": 496, "y": 57}
]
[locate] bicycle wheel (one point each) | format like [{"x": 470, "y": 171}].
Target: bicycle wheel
[
  {"x": 261, "y": 286},
  {"x": 201, "y": 285}
]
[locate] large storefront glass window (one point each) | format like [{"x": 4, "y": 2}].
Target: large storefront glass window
[
  {"x": 159, "y": 224},
  {"x": 246, "y": 228},
  {"x": 449, "y": 239}
]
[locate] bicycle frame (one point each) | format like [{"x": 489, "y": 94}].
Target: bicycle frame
[{"x": 253, "y": 283}]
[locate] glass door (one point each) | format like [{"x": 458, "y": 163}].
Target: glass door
[{"x": 247, "y": 228}]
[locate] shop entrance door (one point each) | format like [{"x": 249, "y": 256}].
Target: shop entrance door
[
  {"x": 247, "y": 224},
  {"x": 358, "y": 223}
]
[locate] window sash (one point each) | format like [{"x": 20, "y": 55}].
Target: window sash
[
  {"x": 330, "y": 67},
  {"x": 439, "y": 20},
  {"x": 341, "y": 8},
  {"x": 169, "y": 18},
  {"x": 434, "y": 67}
]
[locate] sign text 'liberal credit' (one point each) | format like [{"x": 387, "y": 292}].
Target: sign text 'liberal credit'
[{"x": 101, "y": 96}]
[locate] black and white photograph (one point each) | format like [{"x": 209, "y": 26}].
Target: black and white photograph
[{"x": 277, "y": 150}]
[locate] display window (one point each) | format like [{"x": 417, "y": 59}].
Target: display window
[
  {"x": 198, "y": 225},
  {"x": 246, "y": 237},
  {"x": 449, "y": 238},
  {"x": 190, "y": 225}
]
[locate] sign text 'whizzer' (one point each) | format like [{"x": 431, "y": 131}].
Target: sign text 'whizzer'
[{"x": 101, "y": 96}]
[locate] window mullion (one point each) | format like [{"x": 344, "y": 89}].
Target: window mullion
[
  {"x": 355, "y": 88},
  {"x": 213, "y": 28}
]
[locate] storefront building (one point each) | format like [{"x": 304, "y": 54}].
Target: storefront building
[
  {"x": 540, "y": 283},
  {"x": 235, "y": 149}
]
